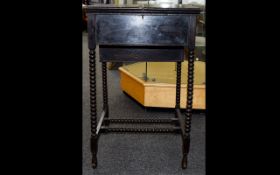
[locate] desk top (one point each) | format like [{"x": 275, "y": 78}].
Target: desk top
[{"x": 144, "y": 8}]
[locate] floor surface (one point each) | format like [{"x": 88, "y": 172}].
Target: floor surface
[{"x": 131, "y": 154}]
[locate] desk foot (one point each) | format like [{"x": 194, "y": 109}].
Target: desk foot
[
  {"x": 94, "y": 161},
  {"x": 94, "y": 151},
  {"x": 185, "y": 161},
  {"x": 186, "y": 148}
]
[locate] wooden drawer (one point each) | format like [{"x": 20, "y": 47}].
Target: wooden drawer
[{"x": 140, "y": 53}]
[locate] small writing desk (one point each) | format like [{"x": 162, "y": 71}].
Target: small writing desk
[{"x": 130, "y": 33}]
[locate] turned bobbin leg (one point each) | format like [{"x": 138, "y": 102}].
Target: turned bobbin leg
[
  {"x": 178, "y": 88},
  {"x": 92, "y": 73},
  {"x": 105, "y": 92},
  {"x": 178, "y": 85},
  {"x": 93, "y": 111},
  {"x": 188, "y": 113}
]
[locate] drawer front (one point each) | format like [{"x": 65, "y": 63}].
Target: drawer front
[
  {"x": 132, "y": 54},
  {"x": 142, "y": 30}
]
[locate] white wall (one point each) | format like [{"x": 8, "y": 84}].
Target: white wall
[{"x": 194, "y": 1}]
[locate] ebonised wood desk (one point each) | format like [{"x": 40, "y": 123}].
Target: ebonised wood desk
[{"x": 130, "y": 33}]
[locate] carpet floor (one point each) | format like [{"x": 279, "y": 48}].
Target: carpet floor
[{"x": 134, "y": 154}]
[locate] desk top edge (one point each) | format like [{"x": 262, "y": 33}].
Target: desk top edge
[{"x": 110, "y": 8}]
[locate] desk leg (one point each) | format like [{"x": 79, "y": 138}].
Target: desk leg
[
  {"x": 178, "y": 84},
  {"x": 178, "y": 89},
  {"x": 94, "y": 137},
  {"x": 188, "y": 114},
  {"x": 105, "y": 92}
]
